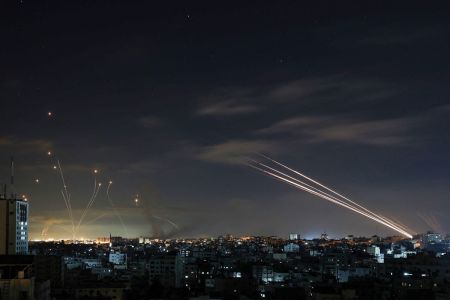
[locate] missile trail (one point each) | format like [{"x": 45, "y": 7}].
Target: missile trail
[
  {"x": 96, "y": 218},
  {"x": 68, "y": 209},
  {"x": 67, "y": 195},
  {"x": 334, "y": 201},
  {"x": 331, "y": 196},
  {"x": 340, "y": 200},
  {"x": 341, "y": 203},
  {"x": 64, "y": 192},
  {"x": 94, "y": 197},
  {"x": 114, "y": 208},
  {"x": 90, "y": 203},
  {"x": 330, "y": 190},
  {"x": 297, "y": 180},
  {"x": 168, "y": 221}
]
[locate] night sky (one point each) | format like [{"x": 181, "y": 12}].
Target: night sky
[{"x": 167, "y": 101}]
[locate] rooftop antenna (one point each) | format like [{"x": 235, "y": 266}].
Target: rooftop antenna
[{"x": 12, "y": 178}]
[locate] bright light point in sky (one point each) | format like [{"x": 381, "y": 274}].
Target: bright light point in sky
[
  {"x": 49, "y": 113},
  {"x": 95, "y": 171},
  {"x": 110, "y": 182},
  {"x": 54, "y": 167},
  {"x": 49, "y": 153},
  {"x": 36, "y": 180}
]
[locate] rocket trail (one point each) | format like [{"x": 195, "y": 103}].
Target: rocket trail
[
  {"x": 90, "y": 203},
  {"x": 94, "y": 197},
  {"x": 64, "y": 192},
  {"x": 114, "y": 208},
  {"x": 334, "y": 201},
  {"x": 168, "y": 221},
  {"x": 67, "y": 205},
  {"x": 297, "y": 180},
  {"x": 96, "y": 218},
  {"x": 346, "y": 204},
  {"x": 431, "y": 221},
  {"x": 331, "y": 196},
  {"x": 66, "y": 195},
  {"x": 330, "y": 190},
  {"x": 341, "y": 203}
]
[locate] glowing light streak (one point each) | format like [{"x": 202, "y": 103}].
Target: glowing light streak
[
  {"x": 66, "y": 195},
  {"x": 114, "y": 208},
  {"x": 330, "y": 190},
  {"x": 168, "y": 221},
  {"x": 331, "y": 196},
  {"x": 89, "y": 204},
  {"x": 341, "y": 203}
]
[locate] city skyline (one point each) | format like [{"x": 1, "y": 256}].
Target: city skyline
[{"x": 163, "y": 105}]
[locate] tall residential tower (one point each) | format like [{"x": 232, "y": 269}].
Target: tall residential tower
[{"x": 13, "y": 226}]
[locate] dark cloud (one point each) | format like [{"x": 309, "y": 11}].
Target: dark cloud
[
  {"x": 150, "y": 122},
  {"x": 232, "y": 101},
  {"x": 235, "y": 151},
  {"x": 227, "y": 108},
  {"x": 26, "y": 145},
  {"x": 387, "y": 132},
  {"x": 398, "y": 36}
]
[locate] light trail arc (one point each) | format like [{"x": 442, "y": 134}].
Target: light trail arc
[
  {"x": 331, "y": 190},
  {"x": 332, "y": 199}
]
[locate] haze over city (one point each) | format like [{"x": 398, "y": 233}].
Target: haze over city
[{"x": 169, "y": 103}]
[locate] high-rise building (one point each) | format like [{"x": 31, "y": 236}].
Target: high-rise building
[
  {"x": 168, "y": 269},
  {"x": 118, "y": 258},
  {"x": 13, "y": 226},
  {"x": 430, "y": 238},
  {"x": 294, "y": 236},
  {"x": 17, "y": 281}
]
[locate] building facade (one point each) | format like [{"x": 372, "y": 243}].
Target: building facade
[
  {"x": 168, "y": 269},
  {"x": 13, "y": 226}
]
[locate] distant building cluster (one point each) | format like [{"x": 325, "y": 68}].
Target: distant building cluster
[
  {"x": 231, "y": 268},
  {"x": 225, "y": 267}
]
